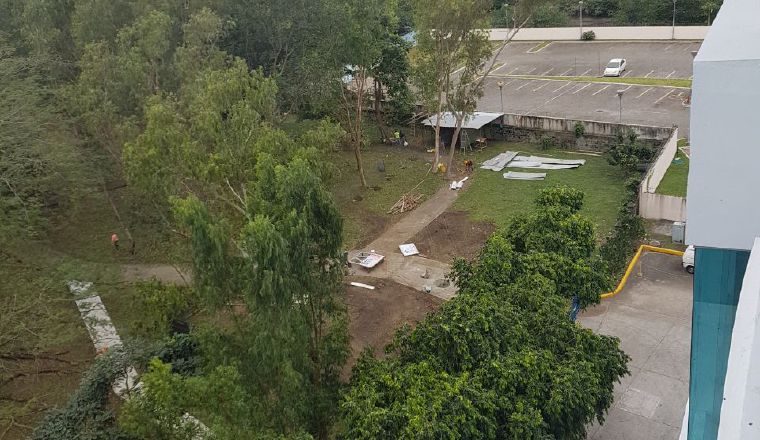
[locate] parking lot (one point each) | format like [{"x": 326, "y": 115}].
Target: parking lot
[
  {"x": 647, "y": 105},
  {"x": 645, "y": 59}
]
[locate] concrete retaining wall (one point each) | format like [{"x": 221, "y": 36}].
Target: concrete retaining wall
[
  {"x": 661, "y": 207},
  {"x": 660, "y": 166},
  {"x": 604, "y": 33},
  {"x": 658, "y": 206},
  {"x": 591, "y": 128}
]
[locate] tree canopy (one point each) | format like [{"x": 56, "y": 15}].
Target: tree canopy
[{"x": 502, "y": 359}]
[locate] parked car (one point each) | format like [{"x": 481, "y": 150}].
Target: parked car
[
  {"x": 615, "y": 67},
  {"x": 688, "y": 259}
]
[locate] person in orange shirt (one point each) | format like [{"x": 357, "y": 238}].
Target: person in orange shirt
[{"x": 115, "y": 241}]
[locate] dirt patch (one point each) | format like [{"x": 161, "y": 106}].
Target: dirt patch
[
  {"x": 376, "y": 314},
  {"x": 34, "y": 383},
  {"x": 452, "y": 234},
  {"x": 163, "y": 272}
]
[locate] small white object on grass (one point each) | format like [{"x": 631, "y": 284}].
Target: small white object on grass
[{"x": 366, "y": 286}]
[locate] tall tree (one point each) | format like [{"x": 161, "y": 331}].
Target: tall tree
[{"x": 451, "y": 54}]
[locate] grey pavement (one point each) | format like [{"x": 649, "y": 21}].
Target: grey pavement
[
  {"x": 652, "y": 318},
  {"x": 646, "y": 105}
]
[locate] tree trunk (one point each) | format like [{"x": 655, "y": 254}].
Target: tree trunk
[
  {"x": 358, "y": 127},
  {"x": 437, "y": 155},
  {"x": 378, "y": 110},
  {"x": 453, "y": 148}
]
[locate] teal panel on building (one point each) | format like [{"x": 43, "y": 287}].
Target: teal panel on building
[{"x": 717, "y": 283}]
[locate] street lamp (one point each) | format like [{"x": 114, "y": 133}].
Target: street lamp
[
  {"x": 674, "y": 20},
  {"x": 501, "y": 95},
  {"x": 580, "y": 10},
  {"x": 620, "y": 96}
]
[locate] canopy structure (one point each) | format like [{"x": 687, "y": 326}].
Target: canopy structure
[{"x": 474, "y": 121}]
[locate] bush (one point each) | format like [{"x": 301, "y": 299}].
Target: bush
[
  {"x": 579, "y": 129},
  {"x": 588, "y": 36},
  {"x": 547, "y": 142}
]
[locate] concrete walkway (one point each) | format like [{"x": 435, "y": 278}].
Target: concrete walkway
[
  {"x": 409, "y": 270},
  {"x": 652, "y": 318}
]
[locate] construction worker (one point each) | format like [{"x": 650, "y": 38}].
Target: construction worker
[{"x": 115, "y": 241}]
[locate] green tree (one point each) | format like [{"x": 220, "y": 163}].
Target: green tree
[{"x": 500, "y": 360}]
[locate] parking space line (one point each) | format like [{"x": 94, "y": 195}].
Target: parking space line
[
  {"x": 532, "y": 70},
  {"x": 528, "y": 82},
  {"x": 663, "y": 96},
  {"x": 650, "y": 72},
  {"x": 513, "y": 70},
  {"x": 575, "y": 92},
  {"x": 668, "y": 47},
  {"x": 544, "y": 74},
  {"x": 541, "y": 86},
  {"x": 627, "y": 72},
  {"x": 565, "y": 72},
  {"x": 600, "y": 90},
  {"x": 498, "y": 68},
  {"x": 562, "y": 87},
  {"x": 584, "y": 73},
  {"x": 644, "y": 92},
  {"x": 671, "y": 74},
  {"x": 626, "y": 89},
  {"x": 510, "y": 82}
]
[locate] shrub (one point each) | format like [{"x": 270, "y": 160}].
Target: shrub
[
  {"x": 579, "y": 129},
  {"x": 588, "y": 36},
  {"x": 547, "y": 142}
]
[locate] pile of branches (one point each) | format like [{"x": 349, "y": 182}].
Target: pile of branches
[{"x": 407, "y": 202}]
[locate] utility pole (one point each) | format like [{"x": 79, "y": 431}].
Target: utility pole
[
  {"x": 674, "y": 20},
  {"x": 501, "y": 95},
  {"x": 620, "y": 96},
  {"x": 580, "y": 10}
]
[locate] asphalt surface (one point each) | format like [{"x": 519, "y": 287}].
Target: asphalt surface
[
  {"x": 652, "y": 318},
  {"x": 646, "y": 105}
]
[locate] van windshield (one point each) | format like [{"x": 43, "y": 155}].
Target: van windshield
[{"x": 613, "y": 64}]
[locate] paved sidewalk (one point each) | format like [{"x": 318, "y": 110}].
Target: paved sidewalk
[
  {"x": 409, "y": 270},
  {"x": 652, "y": 318}
]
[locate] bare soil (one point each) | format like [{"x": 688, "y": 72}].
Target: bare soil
[
  {"x": 453, "y": 234},
  {"x": 58, "y": 373},
  {"x": 376, "y": 314}
]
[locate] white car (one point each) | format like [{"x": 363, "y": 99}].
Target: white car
[
  {"x": 615, "y": 67},
  {"x": 688, "y": 259}
]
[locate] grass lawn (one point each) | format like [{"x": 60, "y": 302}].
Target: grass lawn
[
  {"x": 664, "y": 82},
  {"x": 365, "y": 210},
  {"x": 674, "y": 182},
  {"x": 492, "y": 198}
]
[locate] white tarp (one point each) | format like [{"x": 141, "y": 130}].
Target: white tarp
[
  {"x": 550, "y": 160},
  {"x": 539, "y": 165},
  {"x": 408, "y": 249},
  {"x": 512, "y": 175},
  {"x": 455, "y": 185},
  {"x": 498, "y": 162}
]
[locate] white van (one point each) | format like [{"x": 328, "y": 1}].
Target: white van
[{"x": 688, "y": 259}]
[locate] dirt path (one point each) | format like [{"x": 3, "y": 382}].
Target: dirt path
[
  {"x": 417, "y": 272},
  {"x": 163, "y": 272}
]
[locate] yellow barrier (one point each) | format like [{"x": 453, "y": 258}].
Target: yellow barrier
[{"x": 642, "y": 248}]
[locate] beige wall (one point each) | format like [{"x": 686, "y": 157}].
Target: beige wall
[
  {"x": 605, "y": 33},
  {"x": 655, "y": 206},
  {"x": 592, "y": 128}
]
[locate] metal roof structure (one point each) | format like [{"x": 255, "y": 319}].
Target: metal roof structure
[{"x": 474, "y": 121}]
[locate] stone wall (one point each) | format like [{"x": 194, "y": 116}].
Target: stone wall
[
  {"x": 597, "y": 135},
  {"x": 626, "y": 33}
]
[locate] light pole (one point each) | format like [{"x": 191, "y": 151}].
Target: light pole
[
  {"x": 674, "y": 20},
  {"x": 501, "y": 95},
  {"x": 620, "y": 96},
  {"x": 580, "y": 10}
]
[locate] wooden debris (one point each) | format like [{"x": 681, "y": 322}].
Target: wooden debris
[{"x": 407, "y": 202}]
